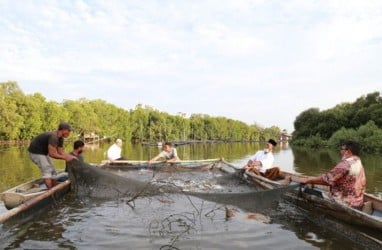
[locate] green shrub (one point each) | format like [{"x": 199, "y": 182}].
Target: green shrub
[{"x": 368, "y": 135}]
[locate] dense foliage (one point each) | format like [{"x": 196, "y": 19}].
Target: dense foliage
[
  {"x": 23, "y": 116},
  {"x": 360, "y": 121}
]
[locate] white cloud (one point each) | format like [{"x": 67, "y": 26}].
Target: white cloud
[{"x": 226, "y": 58}]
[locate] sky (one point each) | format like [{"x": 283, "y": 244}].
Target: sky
[{"x": 257, "y": 61}]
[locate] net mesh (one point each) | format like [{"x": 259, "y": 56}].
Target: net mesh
[
  {"x": 91, "y": 181},
  {"x": 212, "y": 185}
]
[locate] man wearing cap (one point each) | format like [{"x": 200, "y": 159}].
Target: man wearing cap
[
  {"x": 261, "y": 162},
  {"x": 50, "y": 145}
]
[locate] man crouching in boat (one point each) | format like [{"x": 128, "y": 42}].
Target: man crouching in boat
[
  {"x": 347, "y": 179},
  {"x": 169, "y": 153},
  {"x": 46, "y": 145},
  {"x": 261, "y": 162}
]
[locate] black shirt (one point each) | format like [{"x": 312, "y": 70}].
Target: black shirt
[
  {"x": 79, "y": 157},
  {"x": 39, "y": 144}
]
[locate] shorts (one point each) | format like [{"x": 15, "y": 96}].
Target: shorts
[{"x": 45, "y": 165}]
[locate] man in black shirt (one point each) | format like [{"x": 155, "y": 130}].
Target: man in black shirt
[
  {"x": 78, "y": 148},
  {"x": 50, "y": 144}
]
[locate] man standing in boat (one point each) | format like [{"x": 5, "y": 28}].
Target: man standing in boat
[
  {"x": 169, "y": 153},
  {"x": 50, "y": 145},
  {"x": 261, "y": 162},
  {"x": 347, "y": 179}
]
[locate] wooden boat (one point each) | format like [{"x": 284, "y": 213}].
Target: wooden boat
[
  {"x": 316, "y": 197},
  {"x": 26, "y": 191},
  {"x": 184, "y": 165},
  {"x": 29, "y": 208},
  {"x": 284, "y": 179}
]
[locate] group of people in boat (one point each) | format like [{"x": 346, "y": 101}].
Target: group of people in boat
[
  {"x": 50, "y": 144},
  {"x": 347, "y": 179},
  {"x": 169, "y": 153}
]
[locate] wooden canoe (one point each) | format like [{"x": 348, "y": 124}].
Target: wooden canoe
[
  {"x": 315, "y": 197},
  {"x": 133, "y": 164},
  {"x": 29, "y": 208},
  {"x": 17, "y": 195}
]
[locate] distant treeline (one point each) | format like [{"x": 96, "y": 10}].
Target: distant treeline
[
  {"x": 24, "y": 116},
  {"x": 360, "y": 121}
]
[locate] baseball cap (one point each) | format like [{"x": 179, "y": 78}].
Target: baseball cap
[{"x": 64, "y": 125}]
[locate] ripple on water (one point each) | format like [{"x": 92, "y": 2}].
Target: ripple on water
[{"x": 181, "y": 221}]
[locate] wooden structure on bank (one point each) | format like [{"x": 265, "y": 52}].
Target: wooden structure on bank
[
  {"x": 284, "y": 136},
  {"x": 90, "y": 138}
]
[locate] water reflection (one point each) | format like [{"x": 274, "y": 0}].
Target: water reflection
[
  {"x": 172, "y": 221},
  {"x": 184, "y": 221},
  {"x": 17, "y": 168}
]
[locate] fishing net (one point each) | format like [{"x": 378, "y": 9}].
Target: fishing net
[
  {"x": 91, "y": 181},
  {"x": 253, "y": 201},
  {"x": 215, "y": 179},
  {"x": 212, "y": 185}
]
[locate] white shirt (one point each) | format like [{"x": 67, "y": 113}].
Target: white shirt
[
  {"x": 114, "y": 152},
  {"x": 266, "y": 159}
]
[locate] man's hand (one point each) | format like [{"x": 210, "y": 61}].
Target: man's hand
[
  {"x": 303, "y": 180},
  {"x": 69, "y": 157}
]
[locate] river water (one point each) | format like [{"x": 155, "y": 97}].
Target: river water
[{"x": 177, "y": 221}]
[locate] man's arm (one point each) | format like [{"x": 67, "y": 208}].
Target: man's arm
[
  {"x": 59, "y": 153},
  {"x": 251, "y": 163},
  {"x": 312, "y": 180},
  {"x": 174, "y": 157},
  {"x": 155, "y": 158}
]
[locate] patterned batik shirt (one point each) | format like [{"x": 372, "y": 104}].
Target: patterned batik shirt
[{"x": 347, "y": 181}]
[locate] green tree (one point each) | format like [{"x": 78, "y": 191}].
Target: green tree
[
  {"x": 305, "y": 123},
  {"x": 358, "y": 120},
  {"x": 10, "y": 120},
  {"x": 53, "y": 114},
  {"x": 31, "y": 109},
  {"x": 24, "y": 116}
]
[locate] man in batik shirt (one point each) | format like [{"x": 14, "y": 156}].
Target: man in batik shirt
[{"x": 347, "y": 179}]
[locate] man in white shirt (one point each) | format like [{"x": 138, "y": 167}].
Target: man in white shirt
[
  {"x": 114, "y": 151},
  {"x": 261, "y": 162}
]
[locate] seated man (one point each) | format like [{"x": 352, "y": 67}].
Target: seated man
[
  {"x": 261, "y": 162},
  {"x": 347, "y": 179},
  {"x": 114, "y": 151},
  {"x": 169, "y": 153}
]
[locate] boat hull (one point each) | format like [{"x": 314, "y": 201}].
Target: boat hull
[
  {"x": 337, "y": 210},
  {"x": 178, "y": 165},
  {"x": 17, "y": 195},
  {"x": 36, "y": 204},
  {"x": 311, "y": 198}
]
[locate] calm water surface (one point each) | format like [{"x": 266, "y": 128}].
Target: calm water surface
[{"x": 178, "y": 221}]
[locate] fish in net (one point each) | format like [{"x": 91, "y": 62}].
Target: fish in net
[{"x": 91, "y": 181}]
